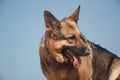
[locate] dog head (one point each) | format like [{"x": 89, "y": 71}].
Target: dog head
[{"x": 64, "y": 39}]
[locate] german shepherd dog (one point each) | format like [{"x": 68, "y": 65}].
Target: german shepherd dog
[{"x": 65, "y": 54}]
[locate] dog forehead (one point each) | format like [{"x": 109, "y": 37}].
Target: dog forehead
[{"x": 69, "y": 27}]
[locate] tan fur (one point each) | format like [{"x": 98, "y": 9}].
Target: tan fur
[
  {"x": 115, "y": 70},
  {"x": 56, "y": 66},
  {"x": 55, "y": 61}
]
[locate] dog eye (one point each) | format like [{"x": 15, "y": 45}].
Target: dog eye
[{"x": 71, "y": 39}]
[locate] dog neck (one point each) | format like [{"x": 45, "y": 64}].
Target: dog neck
[{"x": 101, "y": 62}]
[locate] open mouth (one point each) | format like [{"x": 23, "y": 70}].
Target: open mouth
[{"x": 72, "y": 57}]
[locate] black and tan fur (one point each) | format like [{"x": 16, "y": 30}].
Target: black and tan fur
[{"x": 63, "y": 43}]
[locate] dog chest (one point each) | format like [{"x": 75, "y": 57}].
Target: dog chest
[{"x": 59, "y": 72}]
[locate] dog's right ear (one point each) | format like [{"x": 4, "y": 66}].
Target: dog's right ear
[
  {"x": 51, "y": 21},
  {"x": 75, "y": 15}
]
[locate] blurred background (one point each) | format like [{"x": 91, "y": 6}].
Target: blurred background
[{"x": 22, "y": 26}]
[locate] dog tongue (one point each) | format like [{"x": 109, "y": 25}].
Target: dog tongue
[{"x": 76, "y": 62}]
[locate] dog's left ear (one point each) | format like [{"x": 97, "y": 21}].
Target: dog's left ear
[
  {"x": 51, "y": 21},
  {"x": 75, "y": 15}
]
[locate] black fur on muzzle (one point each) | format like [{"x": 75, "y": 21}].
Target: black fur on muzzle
[{"x": 76, "y": 51}]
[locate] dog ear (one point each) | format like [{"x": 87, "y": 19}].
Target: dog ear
[
  {"x": 75, "y": 15},
  {"x": 51, "y": 21}
]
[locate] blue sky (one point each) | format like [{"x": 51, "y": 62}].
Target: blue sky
[{"x": 22, "y": 26}]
